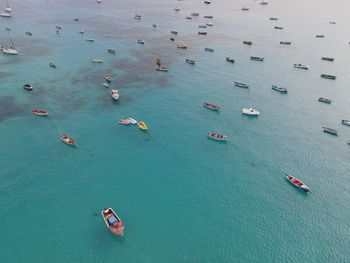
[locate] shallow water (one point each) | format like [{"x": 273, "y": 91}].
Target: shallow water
[{"x": 182, "y": 197}]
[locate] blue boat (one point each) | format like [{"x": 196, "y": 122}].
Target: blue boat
[{"x": 208, "y": 49}]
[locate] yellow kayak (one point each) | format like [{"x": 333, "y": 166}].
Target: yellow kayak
[{"x": 142, "y": 126}]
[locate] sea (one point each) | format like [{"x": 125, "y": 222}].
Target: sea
[{"x": 184, "y": 198}]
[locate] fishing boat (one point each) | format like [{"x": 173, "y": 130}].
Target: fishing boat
[
  {"x": 279, "y": 89},
  {"x": 273, "y": 18},
  {"x": 113, "y": 222},
  {"x": 114, "y": 94},
  {"x": 241, "y": 85},
  {"x": 209, "y": 17},
  {"x": 319, "y": 36},
  {"x": 327, "y": 59},
  {"x": 208, "y": 49},
  {"x": 217, "y": 137},
  {"x": 105, "y": 84},
  {"x": 328, "y": 101},
  {"x": 195, "y": 13},
  {"x": 229, "y": 59},
  {"x": 108, "y": 78},
  {"x": 202, "y": 33},
  {"x": 345, "y": 122},
  {"x": 28, "y": 33},
  {"x": 211, "y": 106},
  {"x": 327, "y": 76},
  {"x": 278, "y": 27},
  {"x": 207, "y": 2},
  {"x": 28, "y": 87},
  {"x": 190, "y": 61},
  {"x": 301, "y": 66},
  {"x": 181, "y": 46},
  {"x": 140, "y": 41},
  {"x": 330, "y": 131},
  {"x": 202, "y": 26},
  {"x": 96, "y": 60},
  {"x": 142, "y": 126},
  {"x": 250, "y": 111},
  {"x": 90, "y": 40},
  {"x": 173, "y": 32},
  {"x": 285, "y": 42},
  {"x": 162, "y": 68},
  {"x": 264, "y": 3},
  {"x": 248, "y": 42},
  {"x": 111, "y": 51},
  {"x": 257, "y": 58},
  {"x": 297, "y": 183},
  {"x": 209, "y": 24},
  {"x": 245, "y": 8},
  {"x": 68, "y": 140},
  {"x": 52, "y": 65},
  {"x": 40, "y": 112}
]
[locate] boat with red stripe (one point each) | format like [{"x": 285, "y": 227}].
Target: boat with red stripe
[
  {"x": 211, "y": 106},
  {"x": 297, "y": 183},
  {"x": 40, "y": 112}
]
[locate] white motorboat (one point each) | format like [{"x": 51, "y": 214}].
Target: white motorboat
[
  {"x": 6, "y": 14},
  {"x": 114, "y": 94},
  {"x": 28, "y": 87},
  {"x": 9, "y": 51},
  {"x": 301, "y": 66},
  {"x": 96, "y": 60},
  {"x": 250, "y": 111}
]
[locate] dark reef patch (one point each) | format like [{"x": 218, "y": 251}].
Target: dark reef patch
[{"x": 9, "y": 108}]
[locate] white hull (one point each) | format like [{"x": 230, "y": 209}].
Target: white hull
[
  {"x": 251, "y": 112},
  {"x": 10, "y": 51}
]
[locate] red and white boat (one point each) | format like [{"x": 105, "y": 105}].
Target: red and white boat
[
  {"x": 68, "y": 140},
  {"x": 113, "y": 222},
  {"x": 124, "y": 122},
  {"x": 211, "y": 106},
  {"x": 297, "y": 183},
  {"x": 216, "y": 136},
  {"x": 40, "y": 112}
]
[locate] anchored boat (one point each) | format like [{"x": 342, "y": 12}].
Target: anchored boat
[
  {"x": 40, "y": 112},
  {"x": 327, "y": 76},
  {"x": 68, "y": 140},
  {"x": 328, "y": 101},
  {"x": 279, "y": 89},
  {"x": 217, "y": 137},
  {"x": 241, "y": 85},
  {"x": 113, "y": 222},
  {"x": 211, "y": 106},
  {"x": 297, "y": 183},
  {"x": 330, "y": 131},
  {"x": 250, "y": 111},
  {"x": 142, "y": 126}
]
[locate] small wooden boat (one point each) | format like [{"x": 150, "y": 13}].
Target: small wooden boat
[
  {"x": 278, "y": 27},
  {"x": 181, "y": 46},
  {"x": 345, "y": 122},
  {"x": 217, "y": 137},
  {"x": 28, "y": 87},
  {"x": 211, "y": 106},
  {"x": 257, "y": 58},
  {"x": 158, "y": 63},
  {"x": 108, "y": 78},
  {"x": 279, "y": 89},
  {"x": 247, "y": 43},
  {"x": 195, "y": 13},
  {"x": 172, "y": 39},
  {"x": 81, "y": 31},
  {"x": 245, "y": 8},
  {"x": 111, "y": 51},
  {"x": 264, "y": 3},
  {"x": 76, "y": 19},
  {"x": 142, "y": 126},
  {"x": 208, "y": 49},
  {"x": 210, "y": 17},
  {"x": 241, "y": 85},
  {"x": 273, "y": 18},
  {"x": 114, "y": 94},
  {"x": 207, "y": 2},
  {"x": 90, "y": 40},
  {"x": 327, "y": 76},
  {"x": 132, "y": 121},
  {"x": 327, "y": 59},
  {"x": 330, "y": 131},
  {"x": 328, "y": 101},
  {"x": 162, "y": 68},
  {"x": 67, "y": 140},
  {"x": 209, "y": 24},
  {"x": 189, "y": 17},
  {"x": 297, "y": 183},
  {"x": 319, "y": 36},
  {"x": 113, "y": 222},
  {"x": 124, "y": 122},
  {"x": 229, "y": 59},
  {"x": 190, "y": 61},
  {"x": 177, "y": 9},
  {"x": 28, "y": 33},
  {"x": 52, "y": 65},
  {"x": 202, "y": 33},
  {"x": 140, "y": 41},
  {"x": 96, "y": 60},
  {"x": 40, "y": 112},
  {"x": 332, "y": 22},
  {"x": 285, "y": 42},
  {"x": 202, "y": 26},
  {"x": 173, "y": 32}
]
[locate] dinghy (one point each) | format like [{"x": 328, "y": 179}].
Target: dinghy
[{"x": 113, "y": 222}]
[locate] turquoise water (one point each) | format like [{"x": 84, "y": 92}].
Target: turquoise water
[{"x": 182, "y": 197}]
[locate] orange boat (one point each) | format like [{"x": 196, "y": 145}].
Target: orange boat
[
  {"x": 68, "y": 140},
  {"x": 113, "y": 222}
]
